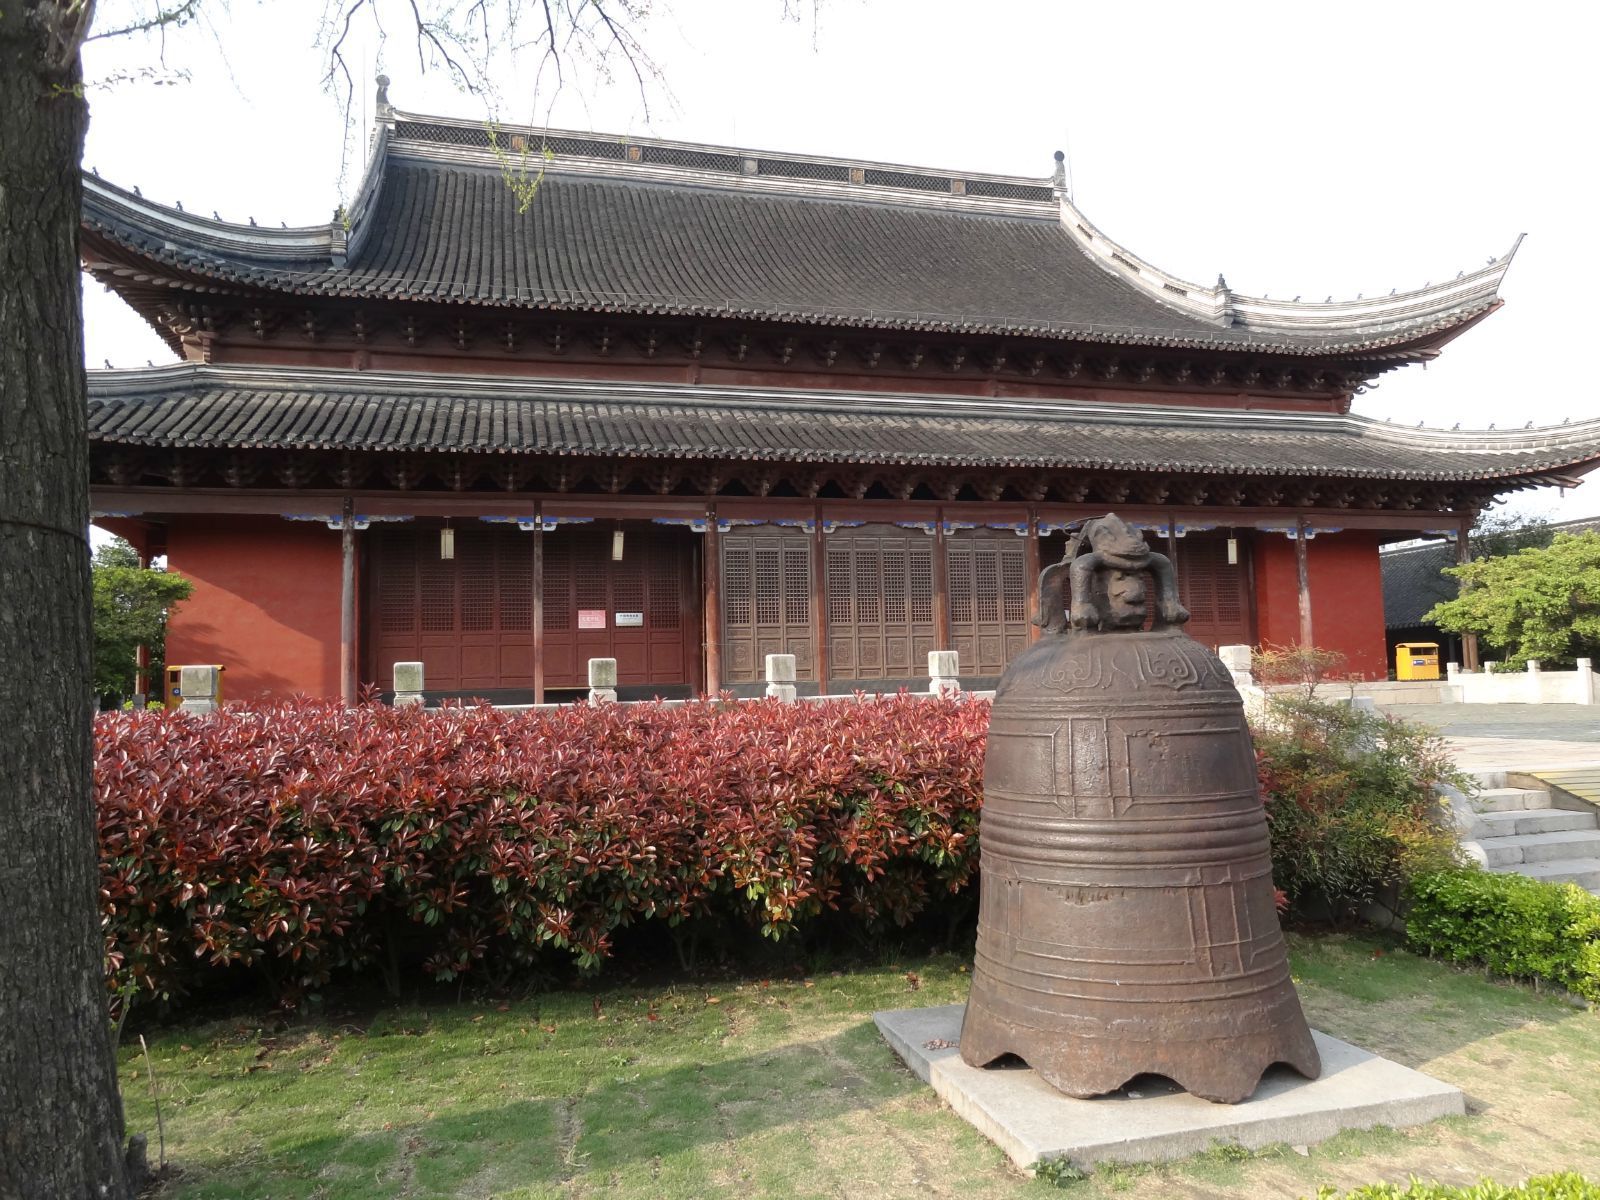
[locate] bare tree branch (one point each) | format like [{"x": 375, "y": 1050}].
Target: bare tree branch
[
  {"x": 160, "y": 20},
  {"x": 470, "y": 38}
]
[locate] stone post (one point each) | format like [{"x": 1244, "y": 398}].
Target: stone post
[
  {"x": 1451, "y": 670},
  {"x": 602, "y": 680},
  {"x": 780, "y": 677},
  {"x": 199, "y": 687},
  {"x": 1585, "y": 669},
  {"x": 943, "y": 667},
  {"x": 1533, "y": 666},
  {"x": 1237, "y": 660},
  {"x": 407, "y": 684}
]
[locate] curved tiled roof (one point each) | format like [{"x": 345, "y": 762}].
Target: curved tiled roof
[
  {"x": 717, "y": 232},
  {"x": 244, "y": 408}
]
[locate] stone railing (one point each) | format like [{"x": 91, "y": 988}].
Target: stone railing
[
  {"x": 944, "y": 669},
  {"x": 1532, "y": 686}
]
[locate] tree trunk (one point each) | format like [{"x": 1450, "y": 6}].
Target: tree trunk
[{"x": 60, "y": 1115}]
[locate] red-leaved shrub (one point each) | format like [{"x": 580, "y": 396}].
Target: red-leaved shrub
[{"x": 302, "y": 838}]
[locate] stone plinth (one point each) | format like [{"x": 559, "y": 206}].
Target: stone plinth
[
  {"x": 781, "y": 677},
  {"x": 602, "y": 680},
  {"x": 1153, "y": 1121},
  {"x": 199, "y": 687},
  {"x": 407, "y": 683}
]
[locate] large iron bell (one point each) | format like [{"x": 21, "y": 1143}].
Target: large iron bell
[{"x": 1127, "y": 922}]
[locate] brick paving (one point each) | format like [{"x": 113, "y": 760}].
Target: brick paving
[{"x": 1520, "y": 737}]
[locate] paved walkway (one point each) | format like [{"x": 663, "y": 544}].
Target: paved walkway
[{"x": 1520, "y": 737}]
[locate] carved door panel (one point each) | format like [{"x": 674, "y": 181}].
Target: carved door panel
[
  {"x": 988, "y": 599},
  {"x": 880, "y": 603},
  {"x": 766, "y": 601}
]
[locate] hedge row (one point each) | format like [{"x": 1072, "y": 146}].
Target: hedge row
[
  {"x": 304, "y": 838},
  {"x": 1564, "y": 1186},
  {"x": 1519, "y": 927}
]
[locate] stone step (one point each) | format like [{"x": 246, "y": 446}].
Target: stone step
[
  {"x": 1585, "y": 872},
  {"x": 1517, "y": 822},
  {"x": 1533, "y": 847},
  {"x": 1510, "y": 799}
]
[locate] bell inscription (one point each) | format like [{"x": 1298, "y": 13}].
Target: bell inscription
[{"x": 1126, "y": 922}]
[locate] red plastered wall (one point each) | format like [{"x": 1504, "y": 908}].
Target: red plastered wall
[
  {"x": 1346, "y": 597},
  {"x": 265, "y": 603}
]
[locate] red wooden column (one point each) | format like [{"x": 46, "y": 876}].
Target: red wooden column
[
  {"x": 538, "y": 603},
  {"x": 141, "y": 653},
  {"x": 1304, "y": 575},
  {"x": 941, "y": 585},
  {"x": 819, "y": 600},
  {"x": 1032, "y": 568},
  {"x": 1469, "y": 641},
  {"x": 347, "y": 604},
  {"x": 711, "y": 574}
]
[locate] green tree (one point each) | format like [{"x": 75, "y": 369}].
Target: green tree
[
  {"x": 1538, "y": 603},
  {"x": 131, "y": 607}
]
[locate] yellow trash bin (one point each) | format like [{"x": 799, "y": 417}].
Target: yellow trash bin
[{"x": 1416, "y": 660}]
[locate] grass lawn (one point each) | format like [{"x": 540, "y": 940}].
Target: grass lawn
[{"x": 783, "y": 1088}]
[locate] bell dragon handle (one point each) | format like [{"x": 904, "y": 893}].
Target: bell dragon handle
[{"x": 1120, "y": 552}]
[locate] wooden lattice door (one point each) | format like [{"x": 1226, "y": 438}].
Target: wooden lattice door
[
  {"x": 467, "y": 619},
  {"x": 639, "y": 610},
  {"x": 880, "y": 604},
  {"x": 766, "y": 602},
  {"x": 988, "y": 599},
  {"x": 1216, "y": 593}
]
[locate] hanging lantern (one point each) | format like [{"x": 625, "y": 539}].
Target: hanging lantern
[{"x": 447, "y": 540}]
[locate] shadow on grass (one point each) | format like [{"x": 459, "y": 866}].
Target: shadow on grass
[
  {"x": 714, "y": 1098},
  {"x": 699, "y": 1119},
  {"x": 1374, "y": 993}
]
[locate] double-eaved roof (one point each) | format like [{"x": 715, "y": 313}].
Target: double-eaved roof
[
  {"x": 646, "y": 226},
  {"x": 649, "y": 226},
  {"x": 248, "y": 408}
]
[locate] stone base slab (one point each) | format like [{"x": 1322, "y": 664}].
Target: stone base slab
[{"x": 1151, "y": 1120}]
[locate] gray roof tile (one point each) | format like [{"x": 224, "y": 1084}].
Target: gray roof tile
[
  {"x": 236, "y": 407},
  {"x": 452, "y": 232}
]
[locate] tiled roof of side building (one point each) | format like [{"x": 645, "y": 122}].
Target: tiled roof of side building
[
  {"x": 1413, "y": 579},
  {"x": 652, "y": 226},
  {"x": 1413, "y": 582},
  {"x": 243, "y": 408}
]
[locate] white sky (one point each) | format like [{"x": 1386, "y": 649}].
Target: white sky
[{"x": 1300, "y": 148}]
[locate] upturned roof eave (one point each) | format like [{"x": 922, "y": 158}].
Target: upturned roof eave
[
  {"x": 1401, "y": 344},
  {"x": 1555, "y": 454},
  {"x": 310, "y": 261}
]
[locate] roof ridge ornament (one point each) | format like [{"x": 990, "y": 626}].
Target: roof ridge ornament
[{"x": 338, "y": 237}]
